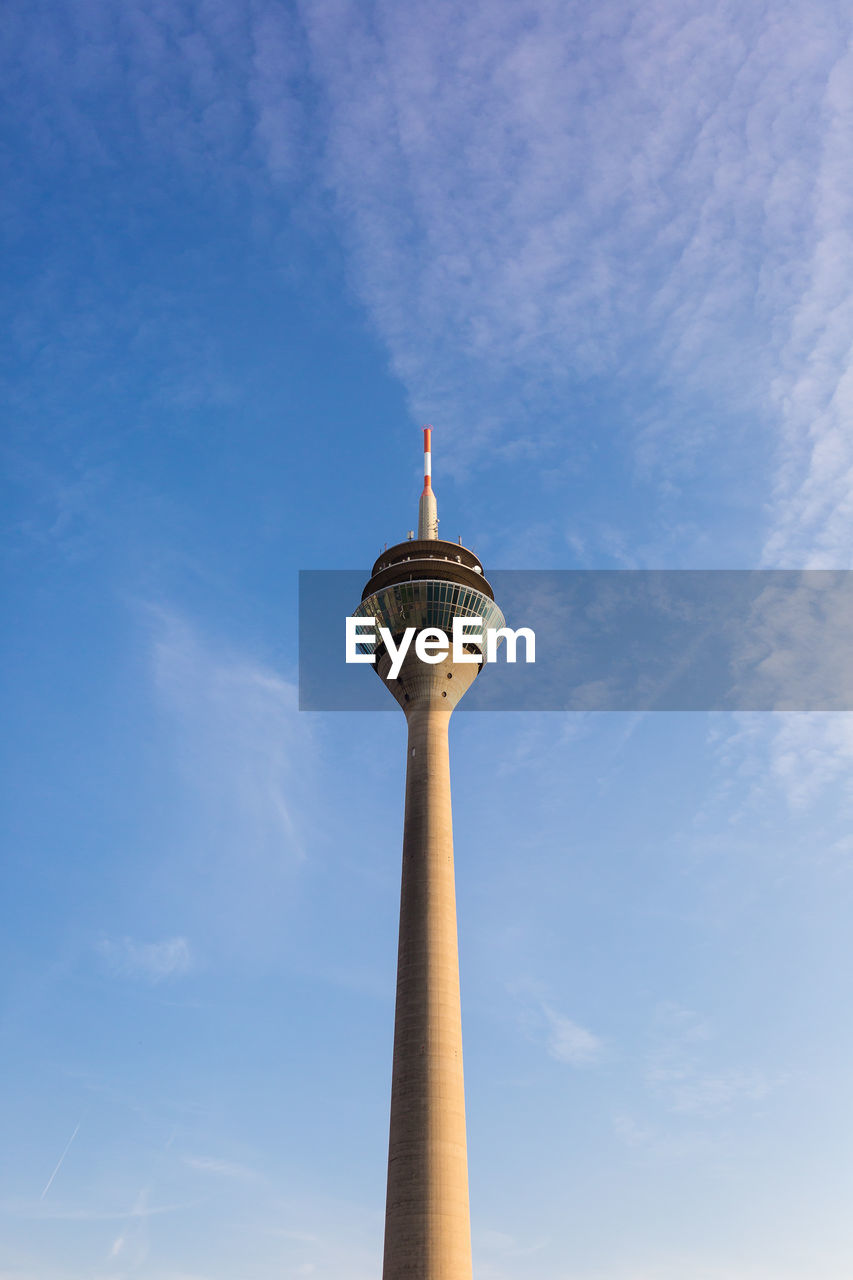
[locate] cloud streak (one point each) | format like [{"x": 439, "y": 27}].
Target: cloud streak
[
  {"x": 220, "y": 1168},
  {"x": 570, "y": 1043},
  {"x": 244, "y": 772},
  {"x": 155, "y": 961},
  {"x": 677, "y": 1071},
  {"x": 235, "y": 724},
  {"x": 66, "y": 1149},
  {"x": 565, "y": 1040}
]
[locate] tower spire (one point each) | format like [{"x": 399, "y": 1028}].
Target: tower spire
[{"x": 427, "y": 509}]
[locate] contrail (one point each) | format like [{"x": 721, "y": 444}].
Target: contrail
[{"x": 61, "y": 1158}]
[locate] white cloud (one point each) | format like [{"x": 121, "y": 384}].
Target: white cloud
[
  {"x": 798, "y": 758},
  {"x": 568, "y": 1042},
  {"x": 679, "y": 1072},
  {"x": 235, "y": 736},
  {"x": 707, "y": 1094},
  {"x": 243, "y": 767},
  {"x": 813, "y": 502},
  {"x": 155, "y": 961},
  {"x": 648, "y": 192},
  {"x": 199, "y": 83},
  {"x": 631, "y": 1132},
  {"x": 656, "y": 192},
  {"x": 565, "y": 1040},
  {"x": 529, "y": 200},
  {"x": 809, "y": 753}
]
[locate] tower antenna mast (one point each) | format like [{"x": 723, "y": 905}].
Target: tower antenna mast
[{"x": 427, "y": 508}]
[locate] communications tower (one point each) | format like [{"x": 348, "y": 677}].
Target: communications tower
[{"x": 427, "y": 582}]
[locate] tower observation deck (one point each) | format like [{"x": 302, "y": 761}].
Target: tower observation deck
[{"x": 426, "y": 582}]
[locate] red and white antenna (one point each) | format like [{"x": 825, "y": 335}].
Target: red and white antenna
[
  {"x": 427, "y": 510},
  {"x": 427, "y": 458}
]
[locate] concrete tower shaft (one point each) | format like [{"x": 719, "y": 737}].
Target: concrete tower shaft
[{"x": 427, "y": 1218}]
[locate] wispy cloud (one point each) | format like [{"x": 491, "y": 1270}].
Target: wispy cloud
[
  {"x": 651, "y": 194},
  {"x": 632, "y": 1132},
  {"x": 220, "y": 1168},
  {"x": 813, "y": 507},
  {"x": 140, "y": 1209},
  {"x": 130, "y": 1246},
  {"x": 198, "y": 84},
  {"x": 569, "y": 1042},
  {"x": 564, "y": 1039},
  {"x": 155, "y": 961},
  {"x": 243, "y": 761},
  {"x": 530, "y": 201},
  {"x": 236, "y": 727},
  {"x": 678, "y": 1068},
  {"x": 798, "y": 759},
  {"x": 204, "y": 94},
  {"x": 654, "y": 194}
]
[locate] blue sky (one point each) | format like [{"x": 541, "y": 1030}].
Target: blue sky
[{"x": 249, "y": 249}]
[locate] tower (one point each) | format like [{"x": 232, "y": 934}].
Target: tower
[{"x": 426, "y": 582}]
